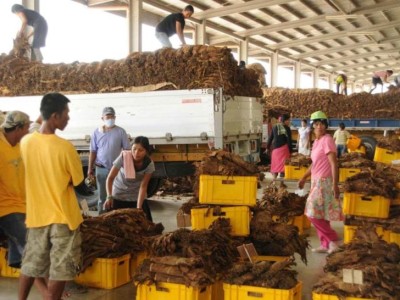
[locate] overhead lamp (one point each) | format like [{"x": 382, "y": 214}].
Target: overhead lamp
[
  {"x": 361, "y": 33},
  {"x": 341, "y": 17}
]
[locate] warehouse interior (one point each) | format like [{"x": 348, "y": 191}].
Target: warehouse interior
[{"x": 320, "y": 38}]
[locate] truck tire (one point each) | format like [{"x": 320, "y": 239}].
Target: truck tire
[
  {"x": 153, "y": 186},
  {"x": 370, "y": 143}
]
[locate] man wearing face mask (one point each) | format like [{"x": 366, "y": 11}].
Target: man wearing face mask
[{"x": 106, "y": 144}]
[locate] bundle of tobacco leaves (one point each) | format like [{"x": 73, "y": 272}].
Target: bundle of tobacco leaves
[
  {"x": 298, "y": 160},
  {"x": 355, "y": 160}
]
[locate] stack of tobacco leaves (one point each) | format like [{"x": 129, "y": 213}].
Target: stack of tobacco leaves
[
  {"x": 116, "y": 233},
  {"x": 173, "y": 269},
  {"x": 277, "y": 239},
  {"x": 190, "y": 67},
  {"x": 371, "y": 183},
  {"x": 280, "y": 203},
  {"x": 177, "y": 186},
  {"x": 355, "y": 160},
  {"x": 301, "y": 102},
  {"x": 223, "y": 163},
  {"x": 268, "y": 274},
  {"x": 214, "y": 247},
  {"x": 298, "y": 160},
  {"x": 392, "y": 223},
  {"x": 389, "y": 144},
  {"x": 378, "y": 260}
]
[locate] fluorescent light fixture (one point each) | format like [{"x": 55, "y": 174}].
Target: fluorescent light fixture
[
  {"x": 361, "y": 33},
  {"x": 341, "y": 17}
]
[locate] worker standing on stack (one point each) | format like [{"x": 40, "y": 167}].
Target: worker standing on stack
[
  {"x": 52, "y": 169},
  {"x": 341, "y": 81},
  {"x": 174, "y": 23},
  {"x": 106, "y": 143},
  {"x": 39, "y": 24},
  {"x": 378, "y": 77},
  {"x": 12, "y": 185}
]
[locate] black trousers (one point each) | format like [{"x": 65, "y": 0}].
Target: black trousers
[{"x": 117, "y": 204}]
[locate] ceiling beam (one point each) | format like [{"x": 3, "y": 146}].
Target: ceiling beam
[
  {"x": 386, "y": 5},
  {"x": 238, "y": 8},
  {"x": 344, "y": 58},
  {"x": 337, "y": 49},
  {"x": 364, "y": 64},
  {"x": 332, "y": 36},
  {"x": 92, "y": 3}
]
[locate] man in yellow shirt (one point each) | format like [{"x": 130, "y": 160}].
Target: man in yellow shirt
[
  {"x": 52, "y": 169},
  {"x": 12, "y": 184}
]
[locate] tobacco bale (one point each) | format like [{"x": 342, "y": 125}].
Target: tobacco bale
[
  {"x": 355, "y": 160},
  {"x": 177, "y": 186},
  {"x": 190, "y": 67},
  {"x": 357, "y": 105},
  {"x": 276, "y": 275},
  {"x": 392, "y": 144},
  {"x": 116, "y": 233},
  {"x": 298, "y": 160}
]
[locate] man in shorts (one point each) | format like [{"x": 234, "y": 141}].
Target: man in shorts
[{"x": 52, "y": 168}]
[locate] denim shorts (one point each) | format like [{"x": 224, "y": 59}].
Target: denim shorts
[{"x": 52, "y": 251}]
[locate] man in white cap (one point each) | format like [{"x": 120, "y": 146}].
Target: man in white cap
[
  {"x": 12, "y": 184},
  {"x": 106, "y": 144}
]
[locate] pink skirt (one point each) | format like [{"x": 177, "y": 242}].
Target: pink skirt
[{"x": 278, "y": 157}]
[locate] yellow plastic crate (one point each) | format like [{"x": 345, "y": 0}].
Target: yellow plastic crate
[
  {"x": 394, "y": 238},
  {"x": 349, "y": 231},
  {"x": 228, "y": 190},
  {"x": 239, "y": 217},
  {"x": 294, "y": 172},
  {"x": 173, "y": 291},
  {"x": 5, "y": 269},
  {"x": 136, "y": 261},
  {"x": 246, "y": 292},
  {"x": 106, "y": 273},
  {"x": 332, "y": 297},
  {"x": 385, "y": 156},
  {"x": 269, "y": 258},
  {"x": 306, "y": 222},
  {"x": 345, "y": 173},
  {"x": 366, "y": 206}
]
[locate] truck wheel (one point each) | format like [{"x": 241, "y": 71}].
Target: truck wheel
[
  {"x": 370, "y": 143},
  {"x": 153, "y": 186}
]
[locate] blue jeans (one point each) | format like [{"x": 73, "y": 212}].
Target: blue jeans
[
  {"x": 13, "y": 225},
  {"x": 101, "y": 177},
  {"x": 340, "y": 149},
  {"x": 163, "y": 39}
]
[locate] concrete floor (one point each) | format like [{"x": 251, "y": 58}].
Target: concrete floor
[{"x": 164, "y": 210}]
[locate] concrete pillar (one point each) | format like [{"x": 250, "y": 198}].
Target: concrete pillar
[
  {"x": 200, "y": 34},
  {"x": 315, "y": 78},
  {"x": 331, "y": 79},
  {"x": 244, "y": 50},
  {"x": 134, "y": 17},
  {"x": 32, "y": 4},
  {"x": 297, "y": 75},
  {"x": 274, "y": 68}
]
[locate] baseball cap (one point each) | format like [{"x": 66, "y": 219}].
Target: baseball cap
[
  {"x": 108, "y": 111},
  {"x": 15, "y": 118}
]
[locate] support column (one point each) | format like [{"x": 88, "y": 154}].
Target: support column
[
  {"x": 32, "y": 4},
  {"x": 244, "y": 50},
  {"x": 315, "y": 78},
  {"x": 200, "y": 33},
  {"x": 297, "y": 74},
  {"x": 330, "y": 78},
  {"x": 134, "y": 16},
  {"x": 274, "y": 68}
]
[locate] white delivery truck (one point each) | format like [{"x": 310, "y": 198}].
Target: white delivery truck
[{"x": 180, "y": 124}]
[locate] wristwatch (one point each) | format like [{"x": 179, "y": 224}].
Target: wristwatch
[{"x": 110, "y": 197}]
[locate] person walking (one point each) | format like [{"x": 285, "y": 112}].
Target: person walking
[
  {"x": 171, "y": 24},
  {"x": 129, "y": 177},
  {"x": 39, "y": 33},
  {"x": 281, "y": 142},
  {"x": 323, "y": 204},
  {"x": 12, "y": 184},
  {"x": 340, "y": 137},
  {"x": 341, "y": 81},
  {"x": 106, "y": 144},
  {"x": 379, "y": 77},
  {"x": 304, "y": 138},
  {"x": 52, "y": 167}
]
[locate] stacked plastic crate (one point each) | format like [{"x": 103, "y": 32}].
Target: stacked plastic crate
[{"x": 5, "y": 269}]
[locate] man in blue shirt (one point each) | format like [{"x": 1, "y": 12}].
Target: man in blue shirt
[
  {"x": 106, "y": 144},
  {"x": 174, "y": 23}
]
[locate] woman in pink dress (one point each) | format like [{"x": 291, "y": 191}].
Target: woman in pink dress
[{"x": 323, "y": 204}]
